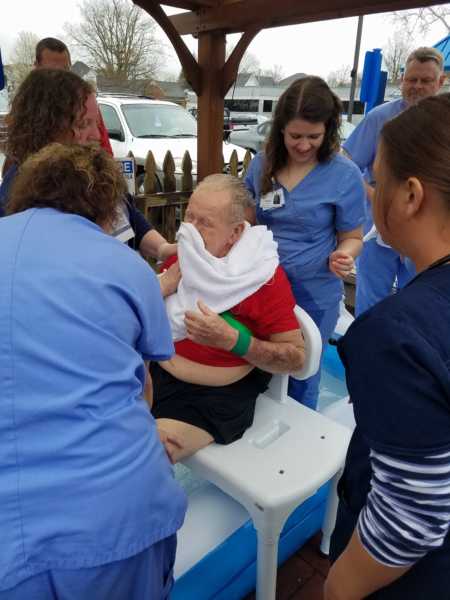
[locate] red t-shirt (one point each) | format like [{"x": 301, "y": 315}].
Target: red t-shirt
[
  {"x": 267, "y": 311},
  {"x": 104, "y": 137}
]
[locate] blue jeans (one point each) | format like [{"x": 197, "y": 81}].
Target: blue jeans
[
  {"x": 307, "y": 392},
  {"x": 377, "y": 269},
  {"x": 145, "y": 576}
]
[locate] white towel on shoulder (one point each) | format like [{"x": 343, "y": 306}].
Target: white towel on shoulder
[{"x": 220, "y": 283}]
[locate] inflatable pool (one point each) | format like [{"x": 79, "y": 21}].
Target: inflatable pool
[{"x": 216, "y": 557}]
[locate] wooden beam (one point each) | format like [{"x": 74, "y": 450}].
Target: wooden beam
[
  {"x": 236, "y": 16},
  {"x": 190, "y": 4},
  {"x": 188, "y": 62},
  {"x": 231, "y": 67},
  {"x": 211, "y": 58}
]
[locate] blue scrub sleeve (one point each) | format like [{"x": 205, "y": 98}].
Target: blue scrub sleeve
[
  {"x": 362, "y": 143},
  {"x": 351, "y": 205},
  {"x": 155, "y": 339},
  {"x": 399, "y": 385},
  {"x": 252, "y": 179}
]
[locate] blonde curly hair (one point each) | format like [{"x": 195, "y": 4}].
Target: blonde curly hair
[{"x": 82, "y": 180}]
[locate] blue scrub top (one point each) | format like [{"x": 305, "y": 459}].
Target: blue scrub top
[
  {"x": 84, "y": 479},
  {"x": 363, "y": 142},
  {"x": 329, "y": 199}
]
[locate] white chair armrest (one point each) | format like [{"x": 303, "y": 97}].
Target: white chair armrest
[{"x": 313, "y": 345}]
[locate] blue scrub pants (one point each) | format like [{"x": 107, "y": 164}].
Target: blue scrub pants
[
  {"x": 307, "y": 392},
  {"x": 377, "y": 269},
  {"x": 145, "y": 576}
]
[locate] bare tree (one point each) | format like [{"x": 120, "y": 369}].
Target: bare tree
[
  {"x": 249, "y": 64},
  {"x": 275, "y": 71},
  {"x": 22, "y": 58},
  {"x": 341, "y": 76},
  {"x": 117, "y": 39},
  {"x": 421, "y": 19},
  {"x": 395, "y": 54}
]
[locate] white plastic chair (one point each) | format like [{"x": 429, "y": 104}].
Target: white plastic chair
[{"x": 282, "y": 459}]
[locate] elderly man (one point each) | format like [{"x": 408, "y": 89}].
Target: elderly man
[
  {"x": 379, "y": 265},
  {"x": 207, "y": 391}
]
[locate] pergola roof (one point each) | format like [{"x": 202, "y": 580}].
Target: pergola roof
[
  {"x": 237, "y": 15},
  {"x": 211, "y": 20}
]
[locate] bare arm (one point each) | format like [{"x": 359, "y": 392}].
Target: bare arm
[
  {"x": 283, "y": 353},
  {"x": 154, "y": 245},
  {"x": 350, "y": 244},
  {"x": 356, "y": 574},
  {"x": 148, "y": 386},
  {"x": 169, "y": 279}
]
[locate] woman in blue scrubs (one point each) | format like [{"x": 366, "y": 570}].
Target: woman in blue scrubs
[
  {"x": 392, "y": 534},
  {"x": 89, "y": 505},
  {"x": 312, "y": 198}
]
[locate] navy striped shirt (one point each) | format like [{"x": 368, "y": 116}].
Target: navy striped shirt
[{"x": 407, "y": 513}]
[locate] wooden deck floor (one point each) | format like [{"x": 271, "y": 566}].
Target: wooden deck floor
[{"x": 302, "y": 576}]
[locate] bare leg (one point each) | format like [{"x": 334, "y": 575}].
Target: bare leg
[{"x": 189, "y": 438}]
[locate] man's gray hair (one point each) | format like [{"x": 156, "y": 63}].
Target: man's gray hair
[
  {"x": 240, "y": 198},
  {"x": 424, "y": 54}
]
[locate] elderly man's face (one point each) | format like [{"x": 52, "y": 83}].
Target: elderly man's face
[
  {"x": 421, "y": 79},
  {"x": 53, "y": 60},
  {"x": 209, "y": 212}
]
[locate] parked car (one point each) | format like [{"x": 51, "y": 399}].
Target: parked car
[
  {"x": 253, "y": 138},
  {"x": 227, "y": 122},
  {"x": 140, "y": 124}
]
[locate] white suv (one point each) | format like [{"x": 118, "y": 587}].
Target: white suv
[{"x": 140, "y": 124}]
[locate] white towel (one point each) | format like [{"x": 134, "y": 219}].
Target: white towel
[{"x": 220, "y": 283}]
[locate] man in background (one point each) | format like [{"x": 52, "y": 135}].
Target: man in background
[
  {"x": 379, "y": 265},
  {"x": 52, "y": 54}
]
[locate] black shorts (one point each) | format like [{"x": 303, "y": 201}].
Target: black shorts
[{"x": 225, "y": 411}]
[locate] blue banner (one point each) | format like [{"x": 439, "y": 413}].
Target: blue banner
[{"x": 2, "y": 73}]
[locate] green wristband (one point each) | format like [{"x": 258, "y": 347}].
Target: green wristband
[
  {"x": 243, "y": 343},
  {"x": 245, "y": 335}
]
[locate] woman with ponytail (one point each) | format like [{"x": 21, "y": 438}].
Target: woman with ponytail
[
  {"x": 312, "y": 198},
  {"x": 392, "y": 535}
]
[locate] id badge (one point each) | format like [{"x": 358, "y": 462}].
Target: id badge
[
  {"x": 272, "y": 200},
  {"x": 122, "y": 229}
]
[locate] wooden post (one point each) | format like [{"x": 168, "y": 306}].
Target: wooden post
[{"x": 211, "y": 58}]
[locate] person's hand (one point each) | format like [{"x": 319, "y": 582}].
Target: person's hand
[
  {"x": 341, "y": 263},
  {"x": 166, "y": 250},
  {"x": 169, "y": 279},
  {"x": 207, "y": 328},
  {"x": 171, "y": 443}
]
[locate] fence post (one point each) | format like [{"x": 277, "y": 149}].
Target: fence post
[
  {"x": 234, "y": 164},
  {"x": 246, "y": 163},
  {"x": 169, "y": 185},
  {"x": 150, "y": 174},
  {"x": 187, "y": 184}
]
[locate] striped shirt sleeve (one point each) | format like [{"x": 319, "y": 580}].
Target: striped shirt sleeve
[{"x": 407, "y": 513}]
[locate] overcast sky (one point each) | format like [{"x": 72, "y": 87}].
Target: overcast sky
[{"x": 316, "y": 48}]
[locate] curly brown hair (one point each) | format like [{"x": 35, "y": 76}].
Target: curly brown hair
[
  {"x": 82, "y": 180},
  {"x": 310, "y": 99},
  {"x": 45, "y": 107}
]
